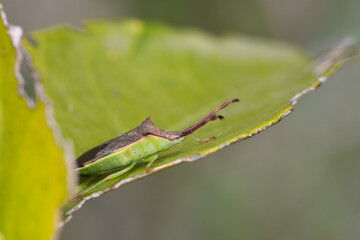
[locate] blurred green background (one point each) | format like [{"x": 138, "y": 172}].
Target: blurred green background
[{"x": 297, "y": 180}]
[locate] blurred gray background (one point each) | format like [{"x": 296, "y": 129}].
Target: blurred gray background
[{"x": 297, "y": 180}]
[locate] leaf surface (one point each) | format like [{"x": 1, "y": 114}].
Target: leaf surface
[
  {"x": 106, "y": 79},
  {"x": 33, "y": 179}
]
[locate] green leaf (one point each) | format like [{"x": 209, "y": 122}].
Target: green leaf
[
  {"x": 106, "y": 79},
  {"x": 33, "y": 183}
]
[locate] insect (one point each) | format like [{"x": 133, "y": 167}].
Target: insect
[{"x": 139, "y": 145}]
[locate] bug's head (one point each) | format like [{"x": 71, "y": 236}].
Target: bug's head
[
  {"x": 148, "y": 127},
  {"x": 172, "y": 135}
]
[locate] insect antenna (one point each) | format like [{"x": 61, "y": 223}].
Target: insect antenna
[{"x": 210, "y": 117}]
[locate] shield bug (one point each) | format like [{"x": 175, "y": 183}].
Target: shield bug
[{"x": 138, "y": 145}]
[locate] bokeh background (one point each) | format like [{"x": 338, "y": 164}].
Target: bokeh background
[{"x": 297, "y": 180}]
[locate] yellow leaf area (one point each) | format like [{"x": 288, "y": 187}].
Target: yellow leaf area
[{"x": 32, "y": 169}]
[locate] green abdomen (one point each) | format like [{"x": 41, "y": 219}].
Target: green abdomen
[{"x": 122, "y": 157}]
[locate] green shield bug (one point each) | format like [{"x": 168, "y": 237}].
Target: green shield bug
[{"x": 136, "y": 146}]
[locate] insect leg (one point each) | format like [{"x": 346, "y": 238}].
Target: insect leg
[
  {"x": 105, "y": 181},
  {"x": 202, "y": 140},
  {"x": 119, "y": 173},
  {"x": 151, "y": 159}
]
